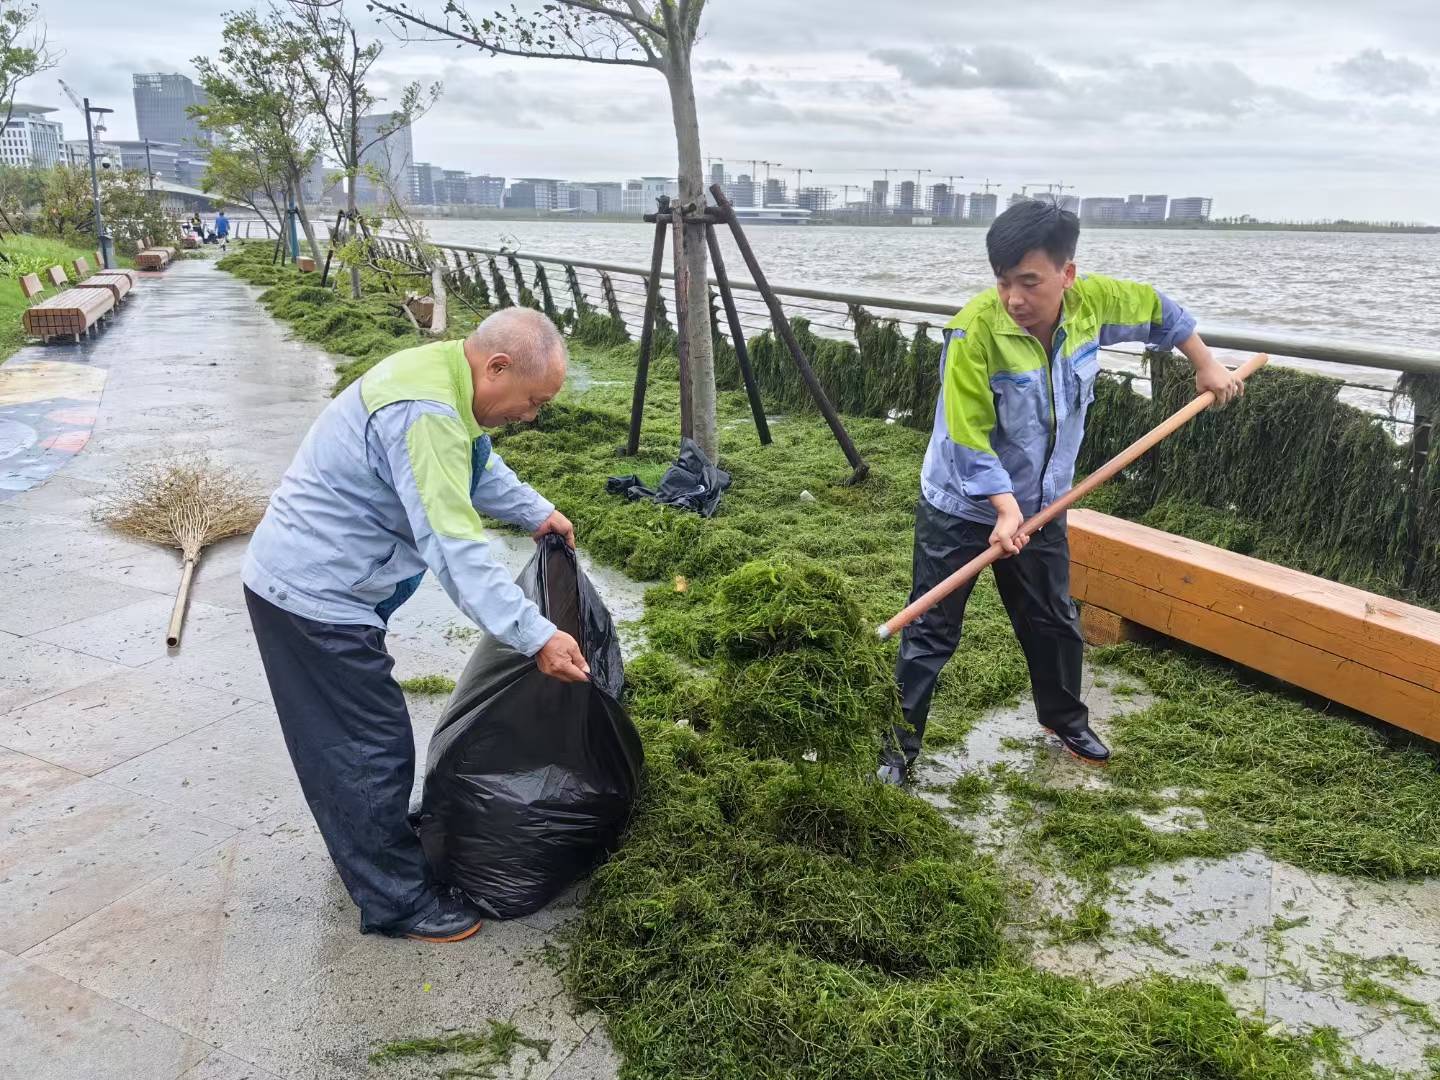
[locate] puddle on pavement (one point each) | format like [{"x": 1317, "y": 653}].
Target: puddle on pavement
[{"x": 1284, "y": 944}]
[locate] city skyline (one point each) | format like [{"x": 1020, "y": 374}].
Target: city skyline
[{"x": 1327, "y": 116}]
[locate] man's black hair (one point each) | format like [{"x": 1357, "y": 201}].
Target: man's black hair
[{"x": 1032, "y": 226}]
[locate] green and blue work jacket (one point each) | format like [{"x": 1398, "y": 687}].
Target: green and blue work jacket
[
  {"x": 391, "y": 481},
  {"x": 1010, "y": 417}
]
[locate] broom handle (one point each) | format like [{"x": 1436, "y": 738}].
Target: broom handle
[
  {"x": 177, "y": 616},
  {"x": 1120, "y": 461}
]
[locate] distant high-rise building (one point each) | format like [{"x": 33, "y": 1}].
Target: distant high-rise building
[
  {"x": 1145, "y": 208},
  {"x": 984, "y": 206},
  {"x": 741, "y": 190},
  {"x": 30, "y": 139},
  {"x": 879, "y": 193},
  {"x": 1102, "y": 210},
  {"x": 535, "y": 193},
  {"x": 640, "y": 196},
  {"x": 945, "y": 203},
  {"x": 1191, "y": 208},
  {"x": 422, "y": 183},
  {"x": 816, "y": 199},
  {"x": 485, "y": 190},
  {"x": 906, "y": 196},
  {"x": 389, "y": 149},
  {"x": 607, "y": 197},
  {"x": 717, "y": 174},
  {"x": 774, "y": 192},
  {"x": 161, "y": 104},
  {"x": 318, "y": 188},
  {"x": 1016, "y": 199},
  {"x": 452, "y": 187}
]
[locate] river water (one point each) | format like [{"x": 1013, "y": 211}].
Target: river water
[{"x": 1367, "y": 288}]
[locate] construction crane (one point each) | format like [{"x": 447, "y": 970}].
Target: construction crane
[
  {"x": 99, "y": 128},
  {"x": 798, "y": 174}
]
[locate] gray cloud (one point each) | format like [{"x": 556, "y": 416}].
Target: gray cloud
[
  {"x": 746, "y": 90},
  {"x": 1107, "y": 99},
  {"x": 997, "y": 67},
  {"x": 1373, "y": 72}
]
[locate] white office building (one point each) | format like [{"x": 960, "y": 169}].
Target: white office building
[{"x": 30, "y": 139}]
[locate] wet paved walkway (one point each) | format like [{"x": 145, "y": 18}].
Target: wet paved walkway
[{"x": 166, "y": 906}]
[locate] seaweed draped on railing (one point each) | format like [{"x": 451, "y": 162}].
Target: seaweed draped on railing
[{"x": 1293, "y": 476}]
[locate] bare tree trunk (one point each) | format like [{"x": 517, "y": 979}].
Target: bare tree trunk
[
  {"x": 352, "y": 169},
  {"x": 697, "y": 257},
  {"x": 437, "y": 293},
  {"x": 308, "y": 228}
]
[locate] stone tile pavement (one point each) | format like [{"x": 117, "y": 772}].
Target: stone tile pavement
[{"x": 167, "y": 908}]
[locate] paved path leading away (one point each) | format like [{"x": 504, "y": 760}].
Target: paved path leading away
[{"x": 166, "y": 906}]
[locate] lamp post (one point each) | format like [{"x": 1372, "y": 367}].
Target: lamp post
[
  {"x": 106, "y": 252},
  {"x": 149, "y": 172}
]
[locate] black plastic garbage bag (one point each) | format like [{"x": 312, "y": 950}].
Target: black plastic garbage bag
[
  {"x": 530, "y": 781},
  {"x": 691, "y": 483}
]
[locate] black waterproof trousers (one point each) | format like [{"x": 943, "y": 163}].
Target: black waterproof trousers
[
  {"x": 1035, "y": 587},
  {"x": 349, "y": 735}
]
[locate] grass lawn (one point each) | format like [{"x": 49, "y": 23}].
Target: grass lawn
[{"x": 31, "y": 255}]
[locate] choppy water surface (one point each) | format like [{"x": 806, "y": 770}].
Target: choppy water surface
[{"x": 1361, "y": 287}]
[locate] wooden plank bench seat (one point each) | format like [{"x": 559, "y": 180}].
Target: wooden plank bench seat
[
  {"x": 72, "y": 313},
  {"x": 119, "y": 284},
  {"x": 154, "y": 258},
  {"x": 1378, "y": 656}
]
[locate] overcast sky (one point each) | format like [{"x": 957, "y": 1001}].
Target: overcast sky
[{"x": 1280, "y": 108}]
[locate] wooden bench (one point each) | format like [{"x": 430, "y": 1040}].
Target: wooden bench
[
  {"x": 154, "y": 258},
  {"x": 1378, "y": 656},
  {"x": 190, "y": 240},
  {"x": 57, "y": 276},
  {"x": 72, "y": 313},
  {"x": 118, "y": 283}
]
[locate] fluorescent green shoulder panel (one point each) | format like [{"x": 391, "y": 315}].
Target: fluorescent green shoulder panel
[
  {"x": 441, "y": 458},
  {"x": 1113, "y": 302},
  {"x": 435, "y": 372}
]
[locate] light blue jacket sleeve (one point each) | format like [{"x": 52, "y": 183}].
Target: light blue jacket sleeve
[
  {"x": 504, "y": 496},
  {"x": 424, "y": 452}
]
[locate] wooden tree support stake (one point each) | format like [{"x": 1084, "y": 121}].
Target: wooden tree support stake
[
  {"x": 787, "y": 335},
  {"x": 647, "y": 339}
]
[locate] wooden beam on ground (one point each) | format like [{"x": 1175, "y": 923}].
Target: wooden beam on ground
[{"x": 1377, "y": 655}]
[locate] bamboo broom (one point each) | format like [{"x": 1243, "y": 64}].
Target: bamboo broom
[
  {"x": 186, "y": 503},
  {"x": 1120, "y": 461}
]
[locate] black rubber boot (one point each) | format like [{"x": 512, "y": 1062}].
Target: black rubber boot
[
  {"x": 1083, "y": 744},
  {"x": 453, "y": 918}
]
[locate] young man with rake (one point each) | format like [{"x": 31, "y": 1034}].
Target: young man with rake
[
  {"x": 1019, "y": 365},
  {"x": 390, "y": 482}
]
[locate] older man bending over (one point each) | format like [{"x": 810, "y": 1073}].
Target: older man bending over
[{"x": 388, "y": 483}]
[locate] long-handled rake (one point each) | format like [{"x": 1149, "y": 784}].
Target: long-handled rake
[
  {"x": 186, "y": 503},
  {"x": 1111, "y": 468}
]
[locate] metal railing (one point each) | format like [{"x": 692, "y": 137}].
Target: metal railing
[{"x": 829, "y": 313}]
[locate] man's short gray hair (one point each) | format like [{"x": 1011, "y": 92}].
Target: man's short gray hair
[{"x": 525, "y": 335}]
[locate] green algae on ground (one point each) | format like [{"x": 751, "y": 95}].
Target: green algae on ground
[
  {"x": 767, "y": 919},
  {"x": 428, "y": 684},
  {"x": 467, "y": 1053}
]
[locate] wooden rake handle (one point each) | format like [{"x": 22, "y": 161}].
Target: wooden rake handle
[
  {"x": 177, "y": 616},
  {"x": 1120, "y": 461}
]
